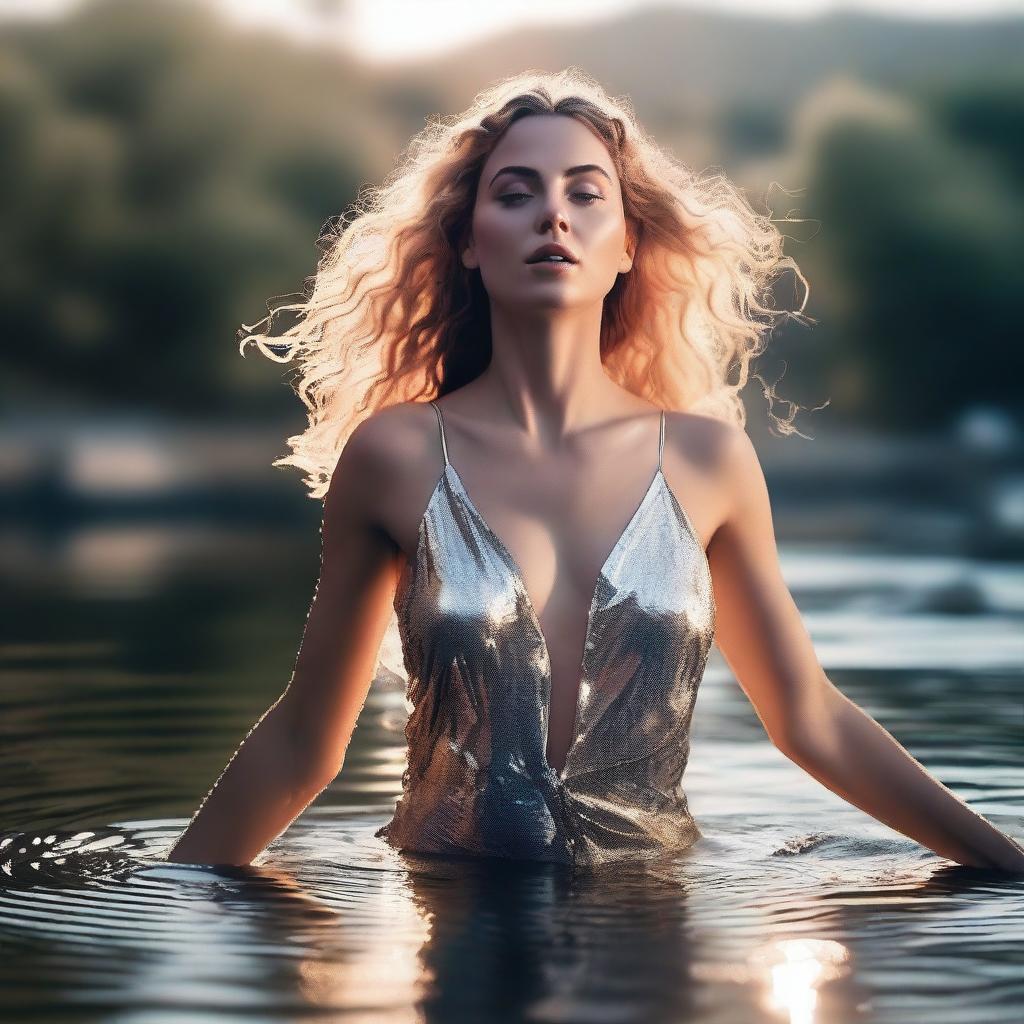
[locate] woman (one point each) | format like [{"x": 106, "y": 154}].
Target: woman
[{"x": 552, "y": 283}]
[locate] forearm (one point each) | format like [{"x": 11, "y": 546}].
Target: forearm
[
  {"x": 850, "y": 753},
  {"x": 263, "y": 788}
]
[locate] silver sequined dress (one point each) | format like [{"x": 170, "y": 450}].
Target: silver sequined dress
[{"x": 477, "y": 780}]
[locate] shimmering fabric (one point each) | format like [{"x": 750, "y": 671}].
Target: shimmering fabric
[{"x": 477, "y": 780}]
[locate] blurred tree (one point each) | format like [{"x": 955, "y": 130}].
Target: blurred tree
[
  {"x": 751, "y": 127},
  {"x": 987, "y": 114},
  {"x": 925, "y": 233},
  {"x": 164, "y": 175}
]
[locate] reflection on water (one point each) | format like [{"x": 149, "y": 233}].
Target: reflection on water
[
  {"x": 798, "y": 968},
  {"x": 135, "y": 662}
]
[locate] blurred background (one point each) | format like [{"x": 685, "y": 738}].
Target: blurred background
[
  {"x": 165, "y": 170},
  {"x": 167, "y": 167}
]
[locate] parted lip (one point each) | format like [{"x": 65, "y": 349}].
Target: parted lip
[{"x": 551, "y": 249}]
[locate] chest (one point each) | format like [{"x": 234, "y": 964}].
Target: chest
[{"x": 462, "y": 574}]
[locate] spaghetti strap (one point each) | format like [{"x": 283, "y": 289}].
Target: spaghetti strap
[
  {"x": 661, "y": 439},
  {"x": 440, "y": 425}
]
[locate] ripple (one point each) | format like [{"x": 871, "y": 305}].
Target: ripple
[{"x": 792, "y": 904}]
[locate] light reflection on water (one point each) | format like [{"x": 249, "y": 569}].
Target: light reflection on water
[
  {"x": 140, "y": 660},
  {"x": 798, "y": 967},
  {"x": 788, "y": 972}
]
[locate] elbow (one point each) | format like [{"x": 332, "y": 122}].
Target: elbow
[
  {"x": 313, "y": 772},
  {"x": 785, "y": 736},
  {"x": 788, "y": 733},
  {"x": 312, "y": 751},
  {"x": 794, "y": 742},
  {"x": 810, "y": 739},
  {"x": 322, "y": 774},
  {"x": 316, "y": 767},
  {"x": 813, "y": 726}
]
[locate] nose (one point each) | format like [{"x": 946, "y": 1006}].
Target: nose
[{"x": 552, "y": 213}]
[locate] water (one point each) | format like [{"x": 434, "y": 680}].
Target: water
[{"x": 136, "y": 657}]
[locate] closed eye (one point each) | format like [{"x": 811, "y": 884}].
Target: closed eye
[{"x": 526, "y": 195}]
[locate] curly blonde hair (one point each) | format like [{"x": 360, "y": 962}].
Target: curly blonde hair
[{"x": 391, "y": 314}]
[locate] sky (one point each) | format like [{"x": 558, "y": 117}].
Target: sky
[{"x": 385, "y": 31}]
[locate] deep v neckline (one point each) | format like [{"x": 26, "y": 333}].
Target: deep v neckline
[{"x": 519, "y": 583}]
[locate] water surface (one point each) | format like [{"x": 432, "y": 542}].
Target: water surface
[{"x": 136, "y": 657}]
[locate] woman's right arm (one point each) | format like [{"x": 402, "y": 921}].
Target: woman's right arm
[{"x": 298, "y": 745}]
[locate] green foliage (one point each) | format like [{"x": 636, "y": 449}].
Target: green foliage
[
  {"x": 163, "y": 176},
  {"x": 924, "y": 228},
  {"x": 166, "y": 174}
]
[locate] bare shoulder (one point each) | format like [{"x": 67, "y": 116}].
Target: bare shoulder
[
  {"x": 706, "y": 442},
  {"x": 720, "y": 463},
  {"x": 739, "y": 469},
  {"x": 388, "y": 440},
  {"x": 388, "y": 463}
]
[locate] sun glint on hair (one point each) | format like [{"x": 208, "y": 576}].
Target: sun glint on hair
[{"x": 391, "y": 314}]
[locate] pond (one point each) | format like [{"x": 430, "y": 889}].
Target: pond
[{"x": 136, "y": 656}]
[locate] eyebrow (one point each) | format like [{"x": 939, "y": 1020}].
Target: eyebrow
[{"x": 531, "y": 172}]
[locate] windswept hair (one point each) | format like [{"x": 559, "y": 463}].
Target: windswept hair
[{"x": 392, "y": 315}]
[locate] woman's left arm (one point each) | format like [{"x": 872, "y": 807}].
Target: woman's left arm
[{"x": 763, "y": 639}]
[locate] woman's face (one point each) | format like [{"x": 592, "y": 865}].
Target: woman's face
[{"x": 547, "y": 199}]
